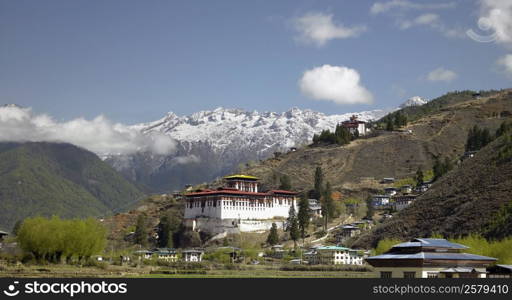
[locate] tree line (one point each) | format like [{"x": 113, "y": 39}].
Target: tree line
[
  {"x": 55, "y": 239},
  {"x": 341, "y": 136}
]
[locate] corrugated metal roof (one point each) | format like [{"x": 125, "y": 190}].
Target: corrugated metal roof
[
  {"x": 434, "y": 255},
  {"x": 435, "y": 243}
]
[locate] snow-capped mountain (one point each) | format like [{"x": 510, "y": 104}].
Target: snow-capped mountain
[
  {"x": 214, "y": 143},
  {"x": 414, "y": 101}
]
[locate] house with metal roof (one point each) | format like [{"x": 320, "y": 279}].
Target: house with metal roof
[
  {"x": 193, "y": 255},
  {"x": 334, "y": 255},
  {"x": 3, "y": 234},
  {"x": 500, "y": 271},
  {"x": 430, "y": 258}
]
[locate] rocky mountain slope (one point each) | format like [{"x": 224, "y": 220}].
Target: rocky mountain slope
[
  {"x": 215, "y": 143},
  {"x": 467, "y": 200},
  {"x": 439, "y": 129},
  {"x": 58, "y": 179}
]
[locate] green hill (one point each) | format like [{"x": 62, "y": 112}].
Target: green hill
[{"x": 58, "y": 179}]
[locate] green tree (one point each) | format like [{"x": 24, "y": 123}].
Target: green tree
[
  {"x": 370, "y": 210},
  {"x": 141, "y": 231},
  {"x": 273, "y": 237},
  {"x": 419, "y": 178},
  {"x": 319, "y": 181},
  {"x": 285, "y": 183},
  {"x": 293, "y": 226},
  {"x": 327, "y": 204},
  {"x": 16, "y": 227},
  {"x": 54, "y": 239},
  {"x": 303, "y": 216},
  {"x": 167, "y": 229},
  {"x": 389, "y": 124}
]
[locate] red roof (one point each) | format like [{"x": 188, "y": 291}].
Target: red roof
[{"x": 228, "y": 191}]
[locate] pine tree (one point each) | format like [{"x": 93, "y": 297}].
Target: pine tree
[
  {"x": 319, "y": 181},
  {"x": 141, "y": 231},
  {"x": 17, "y": 227},
  {"x": 293, "y": 227},
  {"x": 303, "y": 216},
  {"x": 327, "y": 204},
  {"x": 273, "y": 237},
  {"x": 389, "y": 124},
  {"x": 419, "y": 178}
]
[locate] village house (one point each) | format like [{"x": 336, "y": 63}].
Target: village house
[
  {"x": 430, "y": 258},
  {"x": 380, "y": 201},
  {"x": 144, "y": 254},
  {"x": 315, "y": 208},
  {"x": 167, "y": 254},
  {"x": 3, "y": 234},
  {"x": 346, "y": 232},
  {"x": 401, "y": 202},
  {"x": 387, "y": 180},
  {"x": 334, "y": 255},
  {"x": 277, "y": 251},
  {"x": 192, "y": 255},
  {"x": 500, "y": 271},
  {"x": 355, "y": 126},
  {"x": 239, "y": 206},
  {"x": 406, "y": 189},
  {"x": 390, "y": 191}
]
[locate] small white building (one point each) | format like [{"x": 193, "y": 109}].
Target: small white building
[
  {"x": 193, "y": 255},
  {"x": 334, "y": 255},
  {"x": 380, "y": 201},
  {"x": 402, "y": 202},
  {"x": 315, "y": 208},
  {"x": 390, "y": 191},
  {"x": 355, "y": 126},
  {"x": 406, "y": 189}
]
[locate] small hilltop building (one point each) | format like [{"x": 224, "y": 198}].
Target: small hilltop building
[
  {"x": 355, "y": 126},
  {"x": 239, "y": 206}
]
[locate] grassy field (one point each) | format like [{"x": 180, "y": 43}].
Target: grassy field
[{"x": 67, "y": 271}]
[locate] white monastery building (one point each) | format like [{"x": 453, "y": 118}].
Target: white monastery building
[
  {"x": 354, "y": 125},
  {"x": 238, "y": 206}
]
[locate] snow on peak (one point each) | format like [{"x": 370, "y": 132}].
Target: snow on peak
[
  {"x": 229, "y": 129},
  {"x": 414, "y": 101}
]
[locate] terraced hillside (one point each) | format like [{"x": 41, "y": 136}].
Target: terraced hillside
[{"x": 357, "y": 167}]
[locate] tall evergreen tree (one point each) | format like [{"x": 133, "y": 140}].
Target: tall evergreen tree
[
  {"x": 319, "y": 181},
  {"x": 389, "y": 124},
  {"x": 303, "y": 216},
  {"x": 273, "y": 237},
  {"x": 327, "y": 204},
  {"x": 419, "y": 178},
  {"x": 141, "y": 231},
  {"x": 293, "y": 226}
]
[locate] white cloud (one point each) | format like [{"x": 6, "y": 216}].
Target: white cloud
[
  {"x": 442, "y": 74},
  {"x": 433, "y": 21},
  {"x": 338, "y": 84},
  {"x": 319, "y": 28},
  {"x": 506, "y": 63},
  {"x": 98, "y": 135},
  {"x": 384, "y": 7},
  {"x": 496, "y": 18},
  {"x": 425, "y": 19}
]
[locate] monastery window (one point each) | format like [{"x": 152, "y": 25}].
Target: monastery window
[
  {"x": 409, "y": 274},
  {"x": 385, "y": 274}
]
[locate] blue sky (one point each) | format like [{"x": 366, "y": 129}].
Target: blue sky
[{"x": 133, "y": 61}]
